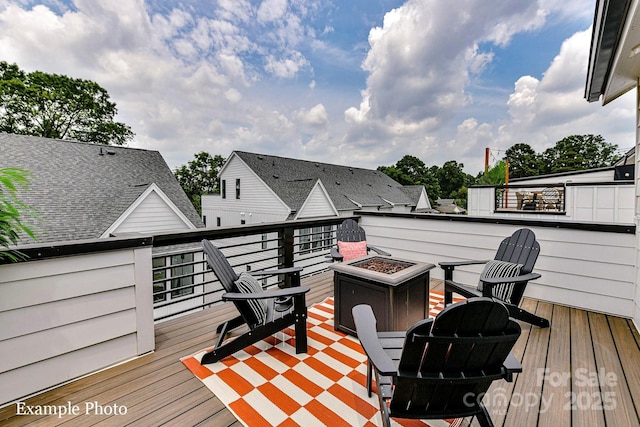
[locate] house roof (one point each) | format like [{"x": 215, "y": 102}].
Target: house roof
[
  {"x": 349, "y": 188},
  {"x": 80, "y": 189},
  {"x": 614, "y": 57}
]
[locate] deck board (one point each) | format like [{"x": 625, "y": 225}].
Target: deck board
[{"x": 157, "y": 389}]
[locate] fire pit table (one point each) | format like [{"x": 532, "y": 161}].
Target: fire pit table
[{"x": 396, "y": 289}]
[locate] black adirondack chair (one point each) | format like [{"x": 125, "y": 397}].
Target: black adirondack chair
[
  {"x": 285, "y": 307},
  {"x": 350, "y": 231},
  {"x": 520, "y": 248},
  {"x": 440, "y": 368}
]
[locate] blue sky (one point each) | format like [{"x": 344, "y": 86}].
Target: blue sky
[{"x": 359, "y": 82}]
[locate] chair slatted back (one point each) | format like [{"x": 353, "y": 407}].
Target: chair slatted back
[
  {"x": 227, "y": 277},
  {"x": 462, "y": 351},
  {"x": 520, "y": 248},
  {"x": 350, "y": 231}
]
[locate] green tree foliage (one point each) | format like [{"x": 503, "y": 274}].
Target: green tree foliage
[
  {"x": 495, "y": 176},
  {"x": 57, "y": 106},
  {"x": 579, "y": 152},
  {"x": 412, "y": 171},
  {"x": 12, "y": 212},
  {"x": 524, "y": 161},
  {"x": 200, "y": 176},
  {"x": 452, "y": 179}
]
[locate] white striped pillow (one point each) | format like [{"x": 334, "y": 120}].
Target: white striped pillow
[
  {"x": 495, "y": 268},
  {"x": 248, "y": 284}
]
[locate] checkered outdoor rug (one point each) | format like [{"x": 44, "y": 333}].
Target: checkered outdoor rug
[{"x": 268, "y": 384}]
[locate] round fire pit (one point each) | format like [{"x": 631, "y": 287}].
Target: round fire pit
[{"x": 382, "y": 265}]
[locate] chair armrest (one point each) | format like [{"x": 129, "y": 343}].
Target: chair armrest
[
  {"x": 496, "y": 280},
  {"x": 337, "y": 256},
  {"x": 288, "y": 270},
  {"x": 512, "y": 364},
  {"x": 461, "y": 289},
  {"x": 365, "y": 322},
  {"x": 454, "y": 264},
  {"x": 378, "y": 251},
  {"x": 286, "y": 292}
]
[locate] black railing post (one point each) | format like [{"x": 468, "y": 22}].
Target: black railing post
[{"x": 286, "y": 235}]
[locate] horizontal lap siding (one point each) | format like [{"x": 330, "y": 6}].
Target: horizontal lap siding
[
  {"x": 585, "y": 269},
  {"x": 152, "y": 215},
  {"x": 66, "y": 317},
  {"x": 257, "y": 201}
]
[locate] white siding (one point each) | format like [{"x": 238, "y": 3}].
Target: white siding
[
  {"x": 586, "y": 269},
  {"x": 586, "y": 203},
  {"x": 152, "y": 214},
  {"x": 66, "y": 317},
  {"x": 317, "y": 204},
  {"x": 257, "y": 202},
  {"x": 423, "y": 201}
]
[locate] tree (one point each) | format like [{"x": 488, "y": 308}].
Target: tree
[
  {"x": 410, "y": 170},
  {"x": 12, "y": 211},
  {"x": 200, "y": 176},
  {"x": 495, "y": 176},
  {"x": 57, "y": 106},
  {"x": 579, "y": 152},
  {"x": 524, "y": 161},
  {"x": 452, "y": 178}
]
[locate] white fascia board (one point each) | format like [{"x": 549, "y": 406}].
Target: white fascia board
[{"x": 150, "y": 189}]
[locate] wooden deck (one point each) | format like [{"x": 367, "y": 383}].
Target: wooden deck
[{"x": 583, "y": 371}]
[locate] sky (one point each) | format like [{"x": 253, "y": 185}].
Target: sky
[{"x": 351, "y": 82}]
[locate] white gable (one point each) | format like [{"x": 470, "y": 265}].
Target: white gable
[
  {"x": 317, "y": 204},
  {"x": 423, "y": 201},
  {"x": 152, "y": 212}
]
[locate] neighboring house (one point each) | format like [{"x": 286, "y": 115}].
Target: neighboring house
[
  {"x": 88, "y": 191},
  {"x": 449, "y": 206},
  {"x": 604, "y": 195},
  {"x": 258, "y": 188}
]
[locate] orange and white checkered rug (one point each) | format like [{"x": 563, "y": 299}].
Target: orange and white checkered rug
[{"x": 268, "y": 384}]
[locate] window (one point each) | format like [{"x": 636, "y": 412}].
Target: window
[
  {"x": 315, "y": 239},
  {"x": 204, "y": 220},
  {"x": 237, "y": 188},
  {"x": 243, "y": 222},
  {"x": 265, "y": 236},
  {"x": 182, "y": 274},
  {"x": 159, "y": 279},
  {"x": 223, "y": 188},
  {"x": 218, "y": 221}
]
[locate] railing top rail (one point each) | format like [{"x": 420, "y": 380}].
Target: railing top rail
[
  {"x": 240, "y": 230},
  {"x": 38, "y": 251}
]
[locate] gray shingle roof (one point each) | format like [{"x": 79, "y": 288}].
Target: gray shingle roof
[
  {"x": 293, "y": 179},
  {"x": 78, "y": 192}
]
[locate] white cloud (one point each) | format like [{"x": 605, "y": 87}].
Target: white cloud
[
  {"x": 242, "y": 76},
  {"x": 315, "y": 117}
]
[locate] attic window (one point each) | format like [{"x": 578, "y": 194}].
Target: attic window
[
  {"x": 276, "y": 176},
  {"x": 260, "y": 157}
]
